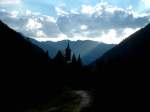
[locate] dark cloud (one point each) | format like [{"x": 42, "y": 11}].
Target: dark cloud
[
  {"x": 21, "y": 23},
  {"x": 14, "y": 22}
]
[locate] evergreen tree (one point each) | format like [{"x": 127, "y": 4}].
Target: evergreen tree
[
  {"x": 59, "y": 58},
  {"x": 79, "y": 62},
  {"x": 47, "y": 54},
  {"x": 74, "y": 59},
  {"x": 68, "y": 53}
]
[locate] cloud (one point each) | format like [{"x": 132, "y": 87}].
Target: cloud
[
  {"x": 98, "y": 20},
  {"x": 33, "y": 24},
  {"x": 83, "y": 27},
  {"x": 87, "y": 9},
  {"x": 74, "y": 11},
  {"x": 10, "y": 1},
  {"x": 146, "y": 3},
  {"x": 102, "y": 22},
  {"x": 129, "y": 31},
  {"x": 13, "y": 21},
  {"x": 40, "y": 34},
  {"x": 61, "y": 10}
]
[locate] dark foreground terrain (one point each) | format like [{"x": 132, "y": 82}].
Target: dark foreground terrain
[{"x": 32, "y": 82}]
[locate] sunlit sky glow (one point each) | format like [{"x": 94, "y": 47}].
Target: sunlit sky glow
[{"x": 108, "y": 21}]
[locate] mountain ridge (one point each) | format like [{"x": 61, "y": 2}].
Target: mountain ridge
[
  {"x": 131, "y": 54},
  {"x": 88, "y": 50}
]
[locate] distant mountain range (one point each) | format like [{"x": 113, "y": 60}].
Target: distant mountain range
[{"x": 88, "y": 50}]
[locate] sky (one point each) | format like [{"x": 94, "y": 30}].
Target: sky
[{"x": 108, "y": 21}]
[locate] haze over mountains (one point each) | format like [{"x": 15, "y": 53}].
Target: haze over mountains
[{"x": 88, "y": 50}]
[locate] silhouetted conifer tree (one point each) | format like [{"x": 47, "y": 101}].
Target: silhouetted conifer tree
[
  {"x": 74, "y": 59},
  {"x": 47, "y": 55},
  {"x": 59, "y": 58},
  {"x": 68, "y": 53},
  {"x": 79, "y": 62}
]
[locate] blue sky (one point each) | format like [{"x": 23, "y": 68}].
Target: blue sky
[{"x": 108, "y": 21}]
